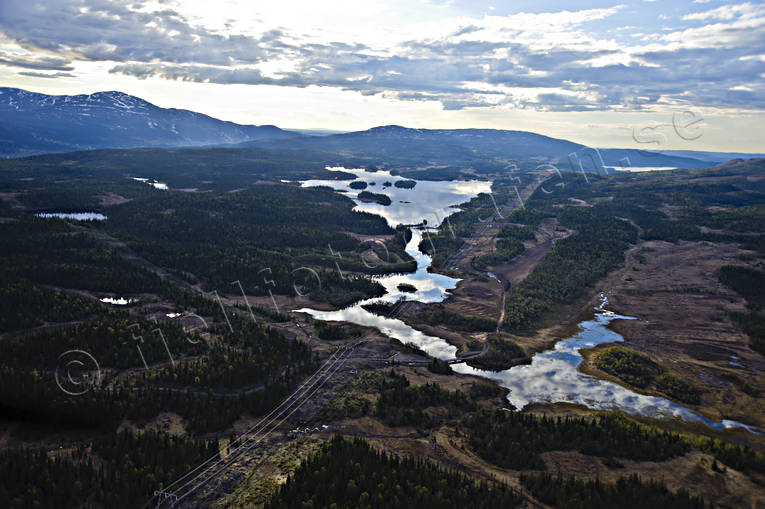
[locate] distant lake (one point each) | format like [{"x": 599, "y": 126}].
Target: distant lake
[
  {"x": 77, "y": 216},
  {"x": 117, "y": 301},
  {"x": 633, "y": 169},
  {"x": 153, "y": 183}
]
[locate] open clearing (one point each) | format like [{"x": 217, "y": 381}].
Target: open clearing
[{"x": 683, "y": 323}]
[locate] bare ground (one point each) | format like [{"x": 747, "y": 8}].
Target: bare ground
[
  {"x": 112, "y": 199},
  {"x": 479, "y": 295},
  {"x": 521, "y": 266},
  {"x": 683, "y": 323}
]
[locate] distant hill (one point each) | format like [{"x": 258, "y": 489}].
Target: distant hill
[
  {"x": 32, "y": 123},
  {"x": 717, "y": 157},
  {"x": 481, "y": 149},
  {"x": 754, "y": 166},
  {"x": 392, "y": 141}
]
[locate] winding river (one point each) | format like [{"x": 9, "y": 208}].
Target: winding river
[{"x": 553, "y": 375}]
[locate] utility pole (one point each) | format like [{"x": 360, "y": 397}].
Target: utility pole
[{"x": 165, "y": 495}]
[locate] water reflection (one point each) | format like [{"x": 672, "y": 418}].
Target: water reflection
[
  {"x": 152, "y": 182},
  {"x": 77, "y": 216},
  {"x": 117, "y": 301},
  {"x": 430, "y": 288},
  {"x": 552, "y": 375},
  {"x": 428, "y": 200},
  {"x": 634, "y": 169}
]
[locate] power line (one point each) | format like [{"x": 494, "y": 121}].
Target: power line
[
  {"x": 300, "y": 388},
  {"x": 252, "y": 441},
  {"x": 330, "y": 361}
]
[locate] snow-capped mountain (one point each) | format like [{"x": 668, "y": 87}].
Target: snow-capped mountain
[{"x": 32, "y": 123}]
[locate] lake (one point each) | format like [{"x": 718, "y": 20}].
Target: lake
[
  {"x": 633, "y": 169},
  {"x": 429, "y": 201},
  {"x": 117, "y": 301},
  {"x": 152, "y": 182},
  {"x": 77, "y": 216}
]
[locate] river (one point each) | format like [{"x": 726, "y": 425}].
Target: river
[{"x": 553, "y": 375}]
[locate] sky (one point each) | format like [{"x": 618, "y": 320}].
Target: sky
[{"x": 684, "y": 75}]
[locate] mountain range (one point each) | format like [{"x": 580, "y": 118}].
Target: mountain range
[{"x": 33, "y": 123}]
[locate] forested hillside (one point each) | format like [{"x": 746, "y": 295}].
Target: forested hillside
[{"x": 351, "y": 474}]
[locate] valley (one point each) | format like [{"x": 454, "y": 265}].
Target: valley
[
  {"x": 259, "y": 319},
  {"x": 382, "y": 255}
]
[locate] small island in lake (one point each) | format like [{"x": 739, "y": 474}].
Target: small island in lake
[
  {"x": 406, "y": 287},
  {"x": 374, "y": 197},
  {"x": 405, "y": 184}
]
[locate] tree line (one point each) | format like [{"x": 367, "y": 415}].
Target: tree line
[
  {"x": 515, "y": 440},
  {"x": 353, "y": 475},
  {"x": 120, "y": 470},
  {"x": 627, "y": 492},
  {"x": 750, "y": 284},
  {"x": 571, "y": 267}
]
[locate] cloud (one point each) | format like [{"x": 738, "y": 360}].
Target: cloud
[
  {"x": 44, "y": 75},
  {"x": 546, "y": 61},
  {"x": 567, "y": 102},
  {"x": 106, "y": 30},
  {"x": 728, "y": 12},
  {"x": 747, "y": 34},
  {"x": 40, "y": 63},
  {"x": 202, "y": 74}
]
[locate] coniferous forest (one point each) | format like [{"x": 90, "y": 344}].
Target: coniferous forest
[
  {"x": 351, "y": 474},
  {"x": 434, "y": 254},
  {"x": 186, "y": 301}
]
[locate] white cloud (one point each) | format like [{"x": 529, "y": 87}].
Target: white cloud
[
  {"x": 728, "y": 12},
  {"x": 401, "y": 51}
]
